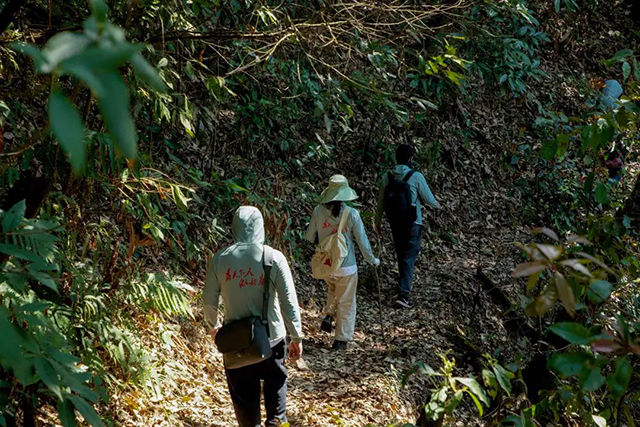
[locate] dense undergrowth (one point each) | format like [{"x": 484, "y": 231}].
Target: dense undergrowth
[{"x": 109, "y": 217}]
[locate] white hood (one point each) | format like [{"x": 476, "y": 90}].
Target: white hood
[{"x": 248, "y": 225}]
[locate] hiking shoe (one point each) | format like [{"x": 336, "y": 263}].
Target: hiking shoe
[
  {"x": 339, "y": 345},
  {"x": 326, "y": 324},
  {"x": 403, "y": 302}
]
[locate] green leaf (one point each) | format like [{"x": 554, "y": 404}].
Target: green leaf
[
  {"x": 475, "y": 388},
  {"x": 599, "y": 291},
  {"x": 48, "y": 376},
  {"x": 563, "y": 144},
  {"x": 99, "y": 10},
  {"x": 549, "y": 149},
  {"x": 504, "y": 378},
  {"x": 66, "y": 413},
  {"x": 590, "y": 378},
  {"x": 490, "y": 381},
  {"x": 528, "y": 268},
  {"x": 533, "y": 279},
  {"x": 327, "y": 123},
  {"x": 34, "y": 307},
  {"x": 594, "y": 260},
  {"x": 17, "y": 252},
  {"x": 424, "y": 104},
  {"x": 427, "y": 370},
  {"x": 626, "y": 70},
  {"x": 14, "y": 216},
  {"x": 115, "y": 112},
  {"x": 235, "y": 187},
  {"x": 103, "y": 59},
  {"x": 551, "y": 252},
  {"x": 33, "y": 52},
  {"x": 180, "y": 199},
  {"x": 619, "y": 380},
  {"x": 545, "y": 301},
  {"x": 67, "y": 126},
  {"x": 453, "y": 403},
  {"x": 565, "y": 293},
  {"x": 60, "y": 47},
  {"x": 45, "y": 279},
  {"x": 601, "y": 193},
  {"x": 12, "y": 357},
  {"x": 577, "y": 266},
  {"x": 456, "y": 78},
  {"x": 86, "y": 74},
  {"x": 147, "y": 73},
  {"x": 76, "y": 380},
  {"x": 477, "y": 402},
  {"x": 573, "y": 332},
  {"x": 621, "y": 54},
  {"x": 186, "y": 123},
  {"x": 86, "y": 410},
  {"x": 588, "y": 184},
  {"x": 569, "y": 364},
  {"x": 65, "y": 359}
]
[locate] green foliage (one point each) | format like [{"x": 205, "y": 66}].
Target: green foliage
[
  {"x": 504, "y": 38},
  {"x": 449, "y": 390},
  {"x": 156, "y": 291},
  {"x": 92, "y": 57},
  {"x": 569, "y": 275},
  {"x": 598, "y": 353},
  {"x": 67, "y": 125},
  {"x": 35, "y": 349},
  {"x": 431, "y": 73},
  {"x": 496, "y": 378},
  {"x": 47, "y": 325},
  {"x": 628, "y": 62}
]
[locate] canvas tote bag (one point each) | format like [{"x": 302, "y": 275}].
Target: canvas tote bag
[{"x": 331, "y": 252}]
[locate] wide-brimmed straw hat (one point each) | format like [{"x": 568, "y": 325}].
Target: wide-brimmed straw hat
[{"x": 338, "y": 190}]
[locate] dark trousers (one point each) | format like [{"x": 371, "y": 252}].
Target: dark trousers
[
  {"x": 407, "y": 249},
  {"x": 244, "y": 387}
]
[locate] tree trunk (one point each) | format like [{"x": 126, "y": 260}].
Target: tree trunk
[
  {"x": 632, "y": 204},
  {"x": 28, "y": 413},
  {"x": 9, "y": 13}
]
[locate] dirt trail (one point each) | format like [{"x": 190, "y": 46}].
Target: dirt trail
[{"x": 359, "y": 387}]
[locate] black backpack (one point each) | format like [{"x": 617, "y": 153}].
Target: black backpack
[{"x": 397, "y": 204}]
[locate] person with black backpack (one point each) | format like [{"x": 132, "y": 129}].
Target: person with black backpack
[
  {"x": 402, "y": 193},
  {"x": 255, "y": 284}
]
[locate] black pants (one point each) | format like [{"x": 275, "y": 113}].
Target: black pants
[
  {"x": 407, "y": 249},
  {"x": 244, "y": 387}
]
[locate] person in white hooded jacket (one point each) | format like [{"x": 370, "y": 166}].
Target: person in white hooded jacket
[
  {"x": 341, "y": 296},
  {"x": 236, "y": 274}
]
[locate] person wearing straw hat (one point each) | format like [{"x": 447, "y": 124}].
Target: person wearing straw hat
[{"x": 343, "y": 281}]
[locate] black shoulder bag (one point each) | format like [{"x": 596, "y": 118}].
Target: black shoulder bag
[{"x": 246, "y": 342}]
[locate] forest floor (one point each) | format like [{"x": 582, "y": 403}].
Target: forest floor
[{"x": 362, "y": 386}]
